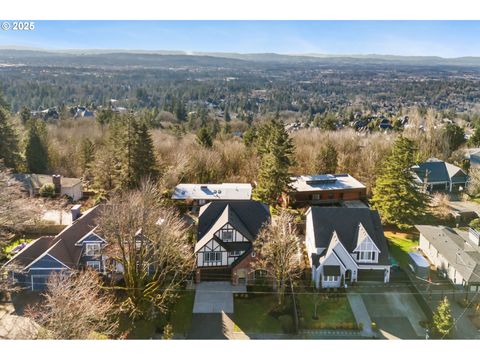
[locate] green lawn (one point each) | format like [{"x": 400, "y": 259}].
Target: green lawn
[
  {"x": 332, "y": 312},
  {"x": 181, "y": 317},
  {"x": 399, "y": 245},
  {"x": 251, "y": 315}
]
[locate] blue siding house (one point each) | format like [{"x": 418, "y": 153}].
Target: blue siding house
[{"x": 76, "y": 247}]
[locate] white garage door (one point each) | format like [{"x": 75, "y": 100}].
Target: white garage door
[{"x": 39, "y": 282}]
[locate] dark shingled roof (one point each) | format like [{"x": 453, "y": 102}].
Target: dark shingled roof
[
  {"x": 345, "y": 222},
  {"x": 62, "y": 247},
  {"x": 32, "y": 251},
  {"x": 248, "y": 214}
]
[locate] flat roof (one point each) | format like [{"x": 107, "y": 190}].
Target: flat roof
[
  {"x": 225, "y": 191},
  {"x": 325, "y": 182}
]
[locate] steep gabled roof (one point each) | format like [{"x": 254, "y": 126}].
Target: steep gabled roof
[
  {"x": 345, "y": 223},
  {"x": 61, "y": 247},
  {"x": 32, "y": 251},
  {"x": 246, "y": 216}
]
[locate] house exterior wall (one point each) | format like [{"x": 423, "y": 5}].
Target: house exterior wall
[
  {"x": 75, "y": 192},
  {"x": 439, "y": 261},
  {"x": 334, "y": 195}
]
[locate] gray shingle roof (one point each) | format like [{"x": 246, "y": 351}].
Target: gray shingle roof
[
  {"x": 453, "y": 245},
  {"x": 438, "y": 171},
  {"x": 345, "y": 221}
]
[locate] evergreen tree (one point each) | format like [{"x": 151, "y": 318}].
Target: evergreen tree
[
  {"x": 25, "y": 115},
  {"x": 276, "y": 150},
  {"x": 215, "y": 128},
  {"x": 9, "y": 152},
  {"x": 327, "y": 159},
  {"x": 36, "y": 150},
  {"x": 475, "y": 138},
  {"x": 204, "y": 137},
  {"x": 396, "y": 196},
  {"x": 249, "y": 136},
  {"x": 180, "y": 110},
  {"x": 143, "y": 163},
  {"x": 87, "y": 153},
  {"x": 455, "y": 136},
  {"x": 227, "y": 115},
  {"x": 442, "y": 324}
]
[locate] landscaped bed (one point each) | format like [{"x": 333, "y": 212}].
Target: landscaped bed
[{"x": 333, "y": 312}]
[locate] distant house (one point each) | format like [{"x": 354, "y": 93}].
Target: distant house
[
  {"x": 473, "y": 157},
  {"x": 71, "y": 187},
  {"x": 200, "y": 194},
  {"x": 326, "y": 189},
  {"x": 346, "y": 245},
  {"x": 226, "y": 231},
  {"x": 456, "y": 253},
  {"x": 77, "y": 246},
  {"x": 82, "y": 112},
  {"x": 438, "y": 175}
]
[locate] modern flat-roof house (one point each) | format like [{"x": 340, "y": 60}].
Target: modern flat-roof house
[
  {"x": 225, "y": 235},
  {"x": 456, "y": 253},
  {"x": 200, "y": 194},
  {"x": 326, "y": 189},
  {"x": 346, "y": 245},
  {"x": 438, "y": 175},
  {"x": 77, "y": 246},
  {"x": 71, "y": 187}
]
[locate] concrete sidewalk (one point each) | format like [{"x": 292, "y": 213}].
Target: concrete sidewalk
[{"x": 361, "y": 314}]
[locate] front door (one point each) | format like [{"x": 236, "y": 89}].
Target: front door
[{"x": 348, "y": 276}]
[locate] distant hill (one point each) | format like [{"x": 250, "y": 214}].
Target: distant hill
[{"x": 118, "y": 57}]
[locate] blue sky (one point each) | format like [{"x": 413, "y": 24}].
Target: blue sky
[{"x": 440, "y": 38}]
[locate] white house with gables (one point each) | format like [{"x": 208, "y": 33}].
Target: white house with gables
[
  {"x": 346, "y": 245},
  {"x": 226, "y": 230}
]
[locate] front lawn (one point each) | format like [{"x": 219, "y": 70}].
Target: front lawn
[
  {"x": 332, "y": 312},
  {"x": 181, "y": 316},
  {"x": 399, "y": 245},
  {"x": 252, "y": 314}
]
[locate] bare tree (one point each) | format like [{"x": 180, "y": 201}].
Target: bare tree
[
  {"x": 440, "y": 205},
  {"x": 473, "y": 185},
  {"x": 150, "y": 243},
  {"x": 76, "y": 306},
  {"x": 278, "y": 252}
]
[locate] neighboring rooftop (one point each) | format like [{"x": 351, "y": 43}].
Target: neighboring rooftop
[
  {"x": 455, "y": 246},
  {"x": 226, "y": 191},
  {"x": 435, "y": 170},
  {"x": 35, "y": 181},
  {"x": 307, "y": 183}
]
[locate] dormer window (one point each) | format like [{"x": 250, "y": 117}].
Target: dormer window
[
  {"x": 227, "y": 235},
  {"x": 92, "y": 249},
  {"x": 367, "y": 256}
]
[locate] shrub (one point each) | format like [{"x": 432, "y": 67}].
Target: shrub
[{"x": 47, "y": 190}]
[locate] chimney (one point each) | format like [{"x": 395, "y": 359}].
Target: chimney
[
  {"x": 57, "y": 182},
  {"x": 75, "y": 210}
]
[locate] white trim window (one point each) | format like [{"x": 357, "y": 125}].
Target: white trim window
[
  {"x": 234, "y": 253},
  {"x": 92, "y": 249},
  {"x": 367, "y": 256},
  {"x": 227, "y": 235},
  {"x": 330, "y": 278},
  {"x": 212, "y": 256},
  {"x": 94, "y": 265}
]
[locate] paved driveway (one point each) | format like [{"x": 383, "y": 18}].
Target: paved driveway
[
  {"x": 395, "y": 311},
  {"x": 215, "y": 297}
]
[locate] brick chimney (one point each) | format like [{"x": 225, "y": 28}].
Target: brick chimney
[
  {"x": 57, "y": 182},
  {"x": 75, "y": 210}
]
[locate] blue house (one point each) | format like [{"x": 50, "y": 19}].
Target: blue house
[
  {"x": 438, "y": 175},
  {"x": 77, "y": 246}
]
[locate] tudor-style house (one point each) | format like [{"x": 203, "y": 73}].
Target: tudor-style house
[
  {"x": 346, "y": 245},
  {"x": 225, "y": 235},
  {"x": 77, "y": 246}
]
